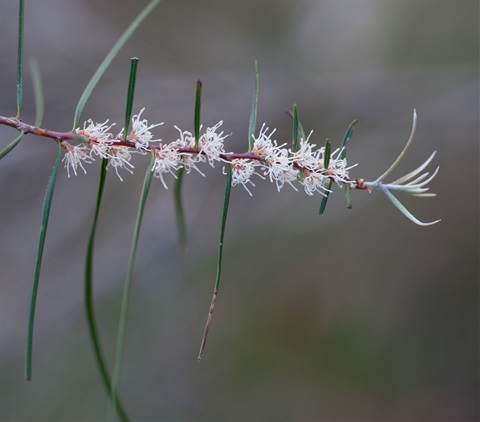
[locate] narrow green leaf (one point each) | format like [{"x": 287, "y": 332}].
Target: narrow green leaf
[
  {"x": 302, "y": 132},
  {"x": 323, "y": 204},
  {"x": 295, "y": 129},
  {"x": 343, "y": 155},
  {"x": 300, "y": 126},
  {"x": 37, "y": 92},
  {"x": 107, "y": 61},
  {"x": 130, "y": 94},
  {"x": 327, "y": 154},
  {"x": 21, "y": 15},
  {"x": 346, "y": 138},
  {"x": 405, "y": 149},
  {"x": 122, "y": 324},
  {"x": 253, "y": 113},
  {"x": 326, "y": 162},
  {"x": 180, "y": 216},
  {"x": 47, "y": 202},
  {"x": 198, "y": 106},
  {"x": 228, "y": 186},
  {"x": 348, "y": 196},
  {"x": 226, "y": 201},
  {"x": 89, "y": 305},
  {"x": 404, "y": 211},
  {"x": 11, "y": 145},
  {"x": 39, "y": 105}
]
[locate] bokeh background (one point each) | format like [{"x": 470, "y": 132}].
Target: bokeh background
[{"x": 357, "y": 315}]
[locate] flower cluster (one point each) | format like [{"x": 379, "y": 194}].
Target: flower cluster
[
  {"x": 306, "y": 166},
  {"x": 267, "y": 159}
]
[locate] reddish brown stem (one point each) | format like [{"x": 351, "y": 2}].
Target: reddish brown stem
[{"x": 66, "y": 136}]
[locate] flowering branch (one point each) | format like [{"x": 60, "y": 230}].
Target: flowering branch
[
  {"x": 299, "y": 163},
  {"x": 314, "y": 169}
]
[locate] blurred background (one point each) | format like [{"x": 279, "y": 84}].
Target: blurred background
[{"x": 356, "y": 315}]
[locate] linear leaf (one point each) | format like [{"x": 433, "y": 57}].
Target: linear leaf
[
  {"x": 253, "y": 113},
  {"x": 346, "y": 138},
  {"x": 47, "y": 202},
  {"x": 323, "y": 204},
  {"x": 37, "y": 91},
  {"x": 405, "y": 149},
  {"x": 348, "y": 196},
  {"x": 130, "y": 94},
  {"x": 326, "y": 162},
  {"x": 228, "y": 186},
  {"x": 295, "y": 128},
  {"x": 89, "y": 305},
  {"x": 198, "y": 107},
  {"x": 11, "y": 145},
  {"x": 327, "y": 154},
  {"x": 122, "y": 324},
  {"x": 179, "y": 214},
  {"x": 107, "y": 61},
  {"x": 21, "y": 15},
  {"x": 343, "y": 155},
  {"x": 404, "y": 211},
  {"x": 301, "y": 130}
]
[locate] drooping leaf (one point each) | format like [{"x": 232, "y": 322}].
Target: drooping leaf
[
  {"x": 107, "y": 61},
  {"x": 11, "y": 145},
  {"x": 404, "y": 211},
  {"x": 179, "y": 214},
  {"x": 326, "y": 162},
  {"x": 89, "y": 302},
  {"x": 226, "y": 201},
  {"x": 323, "y": 204},
  {"x": 348, "y": 196},
  {"x": 47, "y": 202},
  {"x": 177, "y": 192},
  {"x": 122, "y": 324}
]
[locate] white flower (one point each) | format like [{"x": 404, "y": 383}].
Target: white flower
[
  {"x": 278, "y": 165},
  {"x": 75, "y": 155},
  {"x": 186, "y": 140},
  {"x": 119, "y": 157},
  {"x": 189, "y": 160},
  {"x": 263, "y": 145},
  {"x": 242, "y": 171},
  {"x": 167, "y": 160},
  {"x": 98, "y": 136},
  {"x": 337, "y": 168},
  {"x": 281, "y": 170},
  {"x": 211, "y": 143},
  {"x": 96, "y": 132},
  {"x": 140, "y": 133},
  {"x": 314, "y": 182},
  {"x": 305, "y": 157}
]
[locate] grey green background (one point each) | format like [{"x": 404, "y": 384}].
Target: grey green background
[{"x": 353, "y": 316}]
